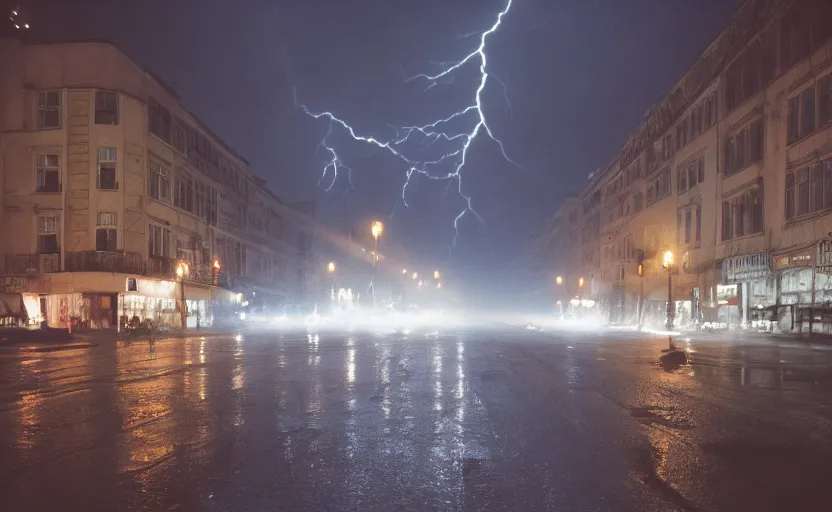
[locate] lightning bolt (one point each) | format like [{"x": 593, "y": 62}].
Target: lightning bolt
[{"x": 447, "y": 164}]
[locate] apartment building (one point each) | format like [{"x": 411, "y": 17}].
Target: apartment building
[
  {"x": 116, "y": 202},
  {"x": 731, "y": 172}
]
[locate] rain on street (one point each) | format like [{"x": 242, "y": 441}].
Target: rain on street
[{"x": 477, "y": 419}]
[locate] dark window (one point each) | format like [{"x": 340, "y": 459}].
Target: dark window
[
  {"x": 698, "y": 222},
  {"x": 794, "y": 119},
  {"x": 816, "y": 186},
  {"x": 756, "y": 141},
  {"x": 47, "y": 235},
  {"x": 808, "y": 108},
  {"x": 132, "y": 285},
  {"x": 825, "y": 100},
  {"x": 827, "y": 183},
  {"x": 739, "y": 216},
  {"x": 687, "y": 226},
  {"x": 700, "y": 165},
  {"x": 757, "y": 208},
  {"x": 790, "y": 195},
  {"x": 106, "y": 232},
  {"x": 105, "y": 239},
  {"x": 179, "y": 137},
  {"x": 48, "y": 174},
  {"x": 159, "y": 121},
  {"x": 727, "y": 221},
  {"x": 158, "y": 239},
  {"x": 107, "y": 158},
  {"x": 638, "y": 202},
  {"x": 803, "y": 191},
  {"x": 49, "y": 110},
  {"x": 682, "y": 179},
  {"x": 159, "y": 178},
  {"x": 106, "y": 107}
]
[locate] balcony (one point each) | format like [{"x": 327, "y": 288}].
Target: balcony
[
  {"x": 166, "y": 268},
  {"x": 104, "y": 261},
  {"x": 27, "y": 264}
]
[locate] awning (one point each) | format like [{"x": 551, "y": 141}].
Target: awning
[{"x": 11, "y": 305}]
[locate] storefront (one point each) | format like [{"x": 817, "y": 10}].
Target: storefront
[{"x": 755, "y": 290}]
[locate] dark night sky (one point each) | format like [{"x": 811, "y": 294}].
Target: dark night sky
[{"x": 579, "y": 73}]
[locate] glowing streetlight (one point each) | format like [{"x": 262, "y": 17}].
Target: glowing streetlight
[
  {"x": 404, "y": 271},
  {"x": 376, "y": 228},
  {"x": 331, "y": 267},
  {"x": 438, "y": 285},
  {"x": 415, "y": 276},
  {"x": 581, "y": 282},
  {"x": 668, "y": 260},
  {"x": 217, "y": 265},
  {"x": 559, "y": 280},
  {"x": 436, "y": 274}
]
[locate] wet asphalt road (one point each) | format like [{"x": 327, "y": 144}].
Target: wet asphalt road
[{"x": 466, "y": 420}]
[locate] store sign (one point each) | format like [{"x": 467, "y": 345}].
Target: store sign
[
  {"x": 14, "y": 284},
  {"x": 750, "y": 267},
  {"x": 794, "y": 260}
]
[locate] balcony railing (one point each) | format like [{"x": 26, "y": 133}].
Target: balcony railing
[
  {"x": 103, "y": 261},
  {"x": 166, "y": 268},
  {"x": 32, "y": 263}
]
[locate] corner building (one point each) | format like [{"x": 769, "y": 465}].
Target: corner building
[
  {"x": 732, "y": 173},
  {"x": 109, "y": 186}
]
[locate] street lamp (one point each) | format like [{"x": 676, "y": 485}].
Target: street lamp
[
  {"x": 181, "y": 270},
  {"x": 438, "y": 285},
  {"x": 331, "y": 267},
  {"x": 667, "y": 263},
  {"x": 401, "y": 286},
  {"x": 415, "y": 275},
  {"x": 436, "y": 274},
  {"x": 559, "y": 280},
  {"x": 376, "y": 228}
]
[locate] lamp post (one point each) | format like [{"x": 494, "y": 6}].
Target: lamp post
[
  {"x": 376, "y": 229},
  {"x": 436, "y": 274},
  {"x": 401, "y": 289},
  {"x": 667, "y": 263},
  {"x": 330, "y": 269},
  {"x": 182, "y": 269}
]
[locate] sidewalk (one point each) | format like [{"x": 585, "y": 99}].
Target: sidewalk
[{"x": 54, "y": 337}]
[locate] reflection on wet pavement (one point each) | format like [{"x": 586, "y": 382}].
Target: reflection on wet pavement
[{"x": 469, "y": 420}]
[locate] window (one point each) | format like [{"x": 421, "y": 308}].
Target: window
[
  {"x": 48, "y": 174},
  {"x": 687, "y": 226},
  {"x": 212, "y": 207},
  {"x": 107, "y": 168},
  {"x": 659, "y": 188},
  {"x": 751, "y": 70},
  {"x": 106, "y": 107},
  {"x": 698, "y": 222},
  {"x": 756, "y": 208},
  {"x": 743, "y": 214},
  {"x": 809, "y": 189},
  {"x": 794, "y": 119},
  {"x": 825, "y": 100},
  {"x": 159, "y": 121},
  {"x": 47, "y": 235},
  {"x": 807, "y": 125},
  {"x": 691, "y": 174},
  {"x": 638, "y": 202},
  {"x": 178, "y": 137},
  {"x": 106, "y": 232},
  {"x": 49, "y": 110},
  {"x": 183, "y": 191},
  {"x": 727, "y": 221},
  {"x": 159, "y": 177},
  {"x": 158, "y": 241},
  {"x": 744, "y": 148}
]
